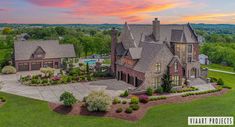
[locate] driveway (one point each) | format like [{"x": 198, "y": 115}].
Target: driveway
[{"x": 11, "y": 85}]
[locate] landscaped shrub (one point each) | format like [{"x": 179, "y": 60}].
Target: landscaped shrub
[
  {"x": 68, "y": 99},
  {"x": 98, "y": 101},
  {"x": 129, "y": 110},
  {"x": 143, "y": 98},
  {"x": 134, "y": 100},
  {"x": 155, "y": 98},
  {"x": 74, "y": 72},
  {"x": 220, "y": 82},
  {"x": 119, "y": 110},
  {"x": 159, "y": 90},
  {"x": 227, "y": 87},
  {"x": 8, "y": 70},
  {"x": 134, "y": 107},
  {"x": 125, "y": 94},
  {"x": 213, "y": 79},
  {"x": 45, "y": 81},
  {"x": 2, "y": 99},
  {"x": 124, "y": 102},
  {"x": 116, "y": 100},
  {"x": 35, "y": 81},
  {"x": 149, "y": 91},
  {"x": 48, "y": 72}
]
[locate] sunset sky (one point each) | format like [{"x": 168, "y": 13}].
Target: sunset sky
[{"x": 117, "y": 11}]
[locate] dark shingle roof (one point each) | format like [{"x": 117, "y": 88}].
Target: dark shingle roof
[
  {"x": 149, "y": 52},
  {"x": 24, "y": 49}
]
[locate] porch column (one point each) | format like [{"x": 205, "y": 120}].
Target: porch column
[
  {"x": 30, "y": 68},
  {"x": 127, "y": 77},
  {"x": 134, "y": 81}
]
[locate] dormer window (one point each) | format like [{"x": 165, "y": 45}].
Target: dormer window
[
  {"x": 39, "y": 53},
  {"x": 158, "y": 67},
  {"x": 176, "y": 66}
]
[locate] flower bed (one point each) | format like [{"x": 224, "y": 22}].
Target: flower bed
[
  {"x": 127, "y": 111},
  {"x": 47, "y": 77}
]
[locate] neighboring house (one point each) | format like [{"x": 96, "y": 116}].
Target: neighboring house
[
  {"x": 204, "y": 59},
  {"x": 32, "y": 55},
  {"x": 23, "y": 37},
  {"x": 142, "y": 54}
]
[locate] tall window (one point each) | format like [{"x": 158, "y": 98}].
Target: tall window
[
  {"x": 176, "y": 66},
  {"x": 189, "y": 58},
  {"x": 158, "y": 67},
  {"x": 190, "y": 48},
  {"x": 175, "y": 80},
  {"x": 157, "y": 81}
]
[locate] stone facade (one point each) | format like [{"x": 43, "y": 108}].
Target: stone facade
[{"x": 142, "y": 54}]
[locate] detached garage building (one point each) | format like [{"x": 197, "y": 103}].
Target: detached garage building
[{"x": 33, "y": 55}]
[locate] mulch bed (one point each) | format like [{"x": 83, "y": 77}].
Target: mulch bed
[
  {"x": 78, "y": 109},
  {"x": 1, "y": 103}
]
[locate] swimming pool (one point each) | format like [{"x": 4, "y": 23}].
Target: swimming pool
[{"x": 90, "y": 62}]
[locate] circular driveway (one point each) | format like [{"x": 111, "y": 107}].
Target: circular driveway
[{"x": 10, "y": 84}]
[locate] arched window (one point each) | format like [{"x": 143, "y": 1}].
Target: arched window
[{"x": 176, "y": 66}]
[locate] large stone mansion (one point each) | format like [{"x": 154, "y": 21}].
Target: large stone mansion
[{"x": 142, "y": 54}]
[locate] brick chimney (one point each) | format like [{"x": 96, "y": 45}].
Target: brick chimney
[
  {"x": 156, "y": 29},
  {"x": 114, "y": 35}
]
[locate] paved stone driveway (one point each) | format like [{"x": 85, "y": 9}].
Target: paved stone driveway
[{"x": 52, "y": 93}]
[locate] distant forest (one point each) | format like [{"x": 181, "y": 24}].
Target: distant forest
[
  {"x": 209, "y": 28},
  {"x": 88, "y": 39}
]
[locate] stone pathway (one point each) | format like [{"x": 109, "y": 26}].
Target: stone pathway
[
  {"x": 52, "y": 93},
  {"x": 227, "y": 72}
]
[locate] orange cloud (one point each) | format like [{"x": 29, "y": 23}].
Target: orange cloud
[
  {"x": 129, "y": 10},
  {"x": 209, "y": 17},
  {"x": 53, "y": 3}
]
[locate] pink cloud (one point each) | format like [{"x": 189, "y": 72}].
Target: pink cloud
[
  {"x": 3, "y": 9},
  {"x": 129, "y": 10},
  {"x": 54, "y": 3}
]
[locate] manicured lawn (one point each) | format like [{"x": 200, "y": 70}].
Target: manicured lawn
[
  {"x": 23, "y": 112},
  {"x": 219, "y": 67}
]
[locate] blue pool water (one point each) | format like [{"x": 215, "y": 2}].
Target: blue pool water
[{"x": 90, "y": 62}]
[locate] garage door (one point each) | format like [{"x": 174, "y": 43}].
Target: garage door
[
  {"x": 23, "y": 66},
  {"x": 35, "y": 66}
]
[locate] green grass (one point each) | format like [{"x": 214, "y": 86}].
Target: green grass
[
  {"x": 24, "y": 112},
  {"x": 219, "y": 67},
  {"x": 107, "y": 61}
]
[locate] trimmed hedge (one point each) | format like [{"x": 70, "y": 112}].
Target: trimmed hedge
[
  {"x": 155, "y": 98},
  {"x": 203, "y": 92},
  {"x": 185, "y": 90}
]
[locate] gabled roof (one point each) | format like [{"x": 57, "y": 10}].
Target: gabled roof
[
  {"x": 174, "y": 59},
  {"x": 149, "y": 53},
  {"x": 135, "y": 52},
  {"x": 132, "y": 35},
  {"x": 24, "y": 49}
]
